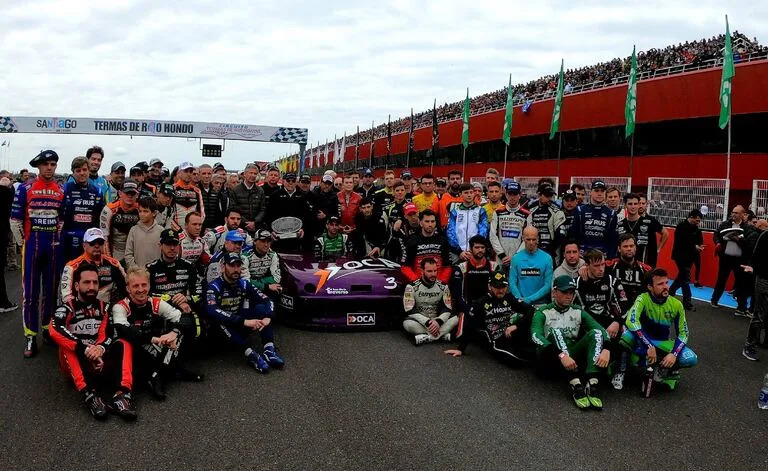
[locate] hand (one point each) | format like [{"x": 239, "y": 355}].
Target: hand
[
  {"x": 568, "y": 363},
  {"x": 453, "y": 352},
  {"x": 509, "y": 330},
  {"x": 374, "y": 253},
  {"x": 614, "y": 329},
  {"x": 433, "y": 328},
  {"x": 506, "y": 260},
  {"x": 169, "y": 340},
  {"x": 275, "y": 287},
  {"x": 668, "y": 361},
  {"x": 397, "y": 225},
  {"x": 97, "y": 364},
  {"x": 651, "y": 355},
  {"x": 321, "y": 215},
  {"x": 301, "y": 233},
  {"x": 94, "y": 352},
  {"x": 700, "y": 247},
  {"x": 185, "y": 308},
  {"x": 250, "y": 226},
  {"x": 603, "y": 359},
  {"x": 583, "y": 272},
  {"x": 466, "y": 255},
  {"x": 347, "y": 229},
  {"x": 178, "y": 299},
  {"x": 747, "y": 269}
]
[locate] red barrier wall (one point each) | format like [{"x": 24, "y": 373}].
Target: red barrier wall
[{"x": 709, "y": 261}]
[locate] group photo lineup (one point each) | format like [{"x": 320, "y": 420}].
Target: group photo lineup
[{"x": 526, "y": 254}]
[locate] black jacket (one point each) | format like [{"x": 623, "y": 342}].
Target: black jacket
[
  {"x": 687, "y": 237},
  {"x": 250, "y": 203},
  {"x": 215, "y": 205}
]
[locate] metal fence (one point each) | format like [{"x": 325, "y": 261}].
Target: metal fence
[
  {"x": 624, "y": 184},
  {"x": 759, "y": 198},
  {"x": 529, "y": 185},
  {"x": 671, "y": 199}
]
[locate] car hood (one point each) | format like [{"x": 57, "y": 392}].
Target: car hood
[{"x": 343, "y": 277}]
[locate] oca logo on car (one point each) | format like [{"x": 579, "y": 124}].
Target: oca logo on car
[{"x": 361, "y": 319}]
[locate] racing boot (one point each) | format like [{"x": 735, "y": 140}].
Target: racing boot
[
  {"x": 47, "y": 337},
  {"x": 122, "y": 405},
  {"x": 30, "y": 346},
  {"x": 273, "y": 358},
  {"x": 95, "y": 405},
  {"x": 579, "y": 395},
  {"x": 156, "y": 386},
  {"x": 258, "y": 362},
  {"x": 593, "y": 394}
]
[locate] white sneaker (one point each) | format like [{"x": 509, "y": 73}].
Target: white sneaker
[
  {"x": 446, "y": 337},
  {"x": 421, "y": 338},
  {"x": 659, "y": 374},
  {"x": 618, "y": 381}
]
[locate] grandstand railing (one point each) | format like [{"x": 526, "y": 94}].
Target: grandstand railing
[{"x": 759, "y": 198}]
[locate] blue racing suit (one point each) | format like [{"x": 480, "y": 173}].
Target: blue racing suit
[
  {"x": 594, "y": 227},
  {"x": 82, "y": 208},
  {"x": 36, "y": 218},
  {"x": 229, "y": 305}
]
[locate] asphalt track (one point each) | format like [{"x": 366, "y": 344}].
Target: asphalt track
[{"x": 373, "y": 401}]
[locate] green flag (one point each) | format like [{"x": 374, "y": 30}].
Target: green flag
[
  {"x": 631, "y": 106},
  {"x": 725, "y": 83},
  {"x": 465, "y": 121},
  {"x": 558, "y": 104},
  {"x": 508, "y": 114}
]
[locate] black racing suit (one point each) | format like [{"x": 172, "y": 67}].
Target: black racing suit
[
  {"x": 631, "y": 276},
  {"x": 469, "y": 282},
  {"x": 396, "y": 246},
  {"x": 418, "y": 247},
  {"x": 546, "y": 219},
  {"x": 167, "y": 279},
  {"x": 370, "y": 232}
]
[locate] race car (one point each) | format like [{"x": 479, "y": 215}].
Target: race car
[{"x": 343, "y": 295}]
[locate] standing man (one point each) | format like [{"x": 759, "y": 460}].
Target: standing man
[
  {"x": 95, "y": 155},
  {"x": 627, "y": 269},
  {"x": 370, "y": 236},
  {"x": 687, "y": 245},
  {"x": 111, "y": 273},
  {"x": 572, "y": 261},
  {"x": 349, "y": 204},
  {"x": 581, "y": 193},
  {"x": 758, "y": 265},
  {"x": 36, "y": 218},
  {"x": 427, "y": 199},
  {"x": 214, "y": 240},
  {"x": 384, "y": 196},
  {"x": 465, "y": 220},
  {"x": 367, "y": 189},
  {"x": 507, "y": 226},
  {"x": 118, "y": 218},
  {"x": 530, "y": 273},
  {"x": 156, "y": 172},
  {"x": 138, "y": 173},
  {"x": 427, "y": 304},
  {"x": 644, "y": 228},
  {"x": 115, "y": 184},
  {"x": 453, "y": 196},
  {"x": 187, "y": 197},
  {"x": 594, "y": 225},
  {"x": 427, "y": 243},
  {"x": 493, "y": 203},
  {"x": 325, "y": 204},
  {"x": 732, "y": 237},
  {"x": 570, "y": 206},
  {"x": 271, "y": 185},
  {"x": 164, "y": 217},
  {"x": 6, "y": 238},
  {"x": 83, "y": 204},
  {"x": 546, "y": 218},
  {"x": 214, "y": 201},
  {"x": 248, "y": 199},
  {"x": 613, "y": 201}
]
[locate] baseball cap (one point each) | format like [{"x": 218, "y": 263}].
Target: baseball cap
[
  {"x": 564, "y": 283},
  {"x": 327, "y": 179},
  {"x": 44, "y": 156},
  {"x": 136, "y": 169},
  {"x": 406, "y": 174},
  {"x": 94, "y": 233},
  {"x": 233, "y": 258},
  {"x": 155, "y": 161},
  {"x": 289, "y": 176},
  {"x": 143, "y": 165},
  {"x": 569, "y": 195},
  {"x": 477, "y": 185},
  {"x": 441, "y": 182},
  {"x": 598, "y": 184},
  {"x": 218, "y": 166},
  {"x": 263, "y": 235},
  {"x": 498, "y": 280},
  {"x": 169, "y": 237},
  {"x": 185, "y": 166},
  {"x": 117, "y": 166},
  {"x": 513, "y": 187},
  {"x": 368, "y": 172},
  {"x": 167, "y": 189},
  {"x": 333, "y": 219},
  {"x": 305, "y": 179},
  {"x": 410, "y": 208},
  {"x": 546, "y": 189},
  {"x": 130, "y": 185},
  {"x": 235, "y": 236}
]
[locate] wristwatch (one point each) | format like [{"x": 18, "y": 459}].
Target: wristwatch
[{"x": 562, "y": 355}]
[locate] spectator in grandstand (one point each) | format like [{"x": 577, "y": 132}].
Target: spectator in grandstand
[
  {"x": 530, "y": 273},
  {"x": 564, "y": 333},
  {"x": 465, "y": 220},
  {"x": 594, "y": 224},
  {"x": 143, "y": 243},
  {"x": 469, "y": 280},
  {"x": 732, "y": 239},
  {"x": 370, "y": 235},
  {"x": 332, "y": 243},
  {"x": 118, "y": 218},
  {"x": 427, "y": 199},
  {"x": 453, "y": 196},
  {"x": 248, "y": 199},
  {"x": 385, "y": 195},
  {"x": 427, "y": 243},
  {"x": 572, "y": 261},
  {"x": 427, "y": 305},
  {"x": 546, "y": 218},
  {"x": 688, "y": 243},
  {"x": 644, "y": 228},
  {"x": 368, "y": 188},
  {"x": 349, "y": 204},
  {"x": 580, "y": 191},
  {"x": 507, "y": 224}
]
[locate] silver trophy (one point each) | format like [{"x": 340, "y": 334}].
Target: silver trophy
[{"x": 287, "y": 227}]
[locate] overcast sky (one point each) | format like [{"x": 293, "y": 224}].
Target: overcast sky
[{"x": 327, "y": 66}]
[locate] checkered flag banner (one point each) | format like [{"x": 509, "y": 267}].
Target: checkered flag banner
[
  {"x": 291, "y": 135},
  {"x": 7, "y": 124}
]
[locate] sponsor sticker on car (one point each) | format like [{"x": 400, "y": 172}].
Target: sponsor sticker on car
[
  {"x": 361, "y": 318},
  {"x": 286, "y": 301}
]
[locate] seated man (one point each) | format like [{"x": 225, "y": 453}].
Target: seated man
[
  {"x": 174, "y": 280},
  {"x": 503, "y": 322},
  {"x": 233, "y": 243},
  {"x": 530, "y": 273},
  {"x": 469, "y": 281},
  {"x": 629, "y": 271},
  {"x": 214, "y": 238},
  {"x": 427, "y": 304},
  {"x": 87, "y": 350},
  {"x": 264, "y": 265},
  {"x": 572, "y": 261},
  {"x": 111, "y": 273},
  {"x": 152, "y": 327},
  {"x": 427, "y": 243},
  {"x": 370, "y": 234},
  {"x": 193, "y": 248},
  {"x": 332, "y": 244},
  {"x": 563, "y": 334},
  {"x": 240, "y": 311},
  {"x": 656, "y": 325}
]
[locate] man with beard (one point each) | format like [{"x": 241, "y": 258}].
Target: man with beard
[
  {"x": 644, "y": 228},
  {"x": 241, "y": 311},
  {"x": 427, "y": 304},
  {"x": 530, "y": 273},
  {"x": 628, "y": 270},
  {"x": 409, "y": 226},
  {"x": 214, "y": 201},
  {"x": 156, "y": 172},
  {"x": 656, "y": 326},
  {"x": 187, "y": 197},
  {"x": 214, "y": 239},
  {"x": 111, "y": 273},
  {"x": 233, "y": 243},
  {"x": 370, "y": 236},
  {"x": 88, "y": 352},
  {"x": 507, "y": 226},
  {"x": 83, "y": 203},
  {"x": 95, "y": 155},
  {"x": 118, "y": 218},
  {"x": 192, "y": 247},
  {"x": 332, "y": 244},
  {"x": 546, "y": 218},
  {"x": 385, "y": 195},
  {"x": 152, "y": 327},
  {"x": 469, "y": 281},
  {"x": 594, "y": 225},
  {"x": 164, "y": 198},
  {"x": 115, "y": 183},
  {"x": 368, "y": 189},
  {"x": 502, "y": 321},
  {"x": 448, "y": 200},
  {"x": 493, "y": 202},
  {"x": 733, "y": 237},
  {"x": 427, "y": 243}
]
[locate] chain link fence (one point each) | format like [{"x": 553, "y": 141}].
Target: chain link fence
[
  {"x": 759, "y": 198},
  {"x": 671, "y": 199}
]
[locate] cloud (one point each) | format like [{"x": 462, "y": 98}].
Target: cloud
[{"x": 328, "y": 66}]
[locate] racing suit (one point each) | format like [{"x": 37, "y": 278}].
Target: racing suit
[
  {"x": 164, "y": 218},
  {"x": 631, "y": 276},
  {"x": 36, "y": 219},
  {"x": 229, "y": 305},
  {"x": 396, "y": 246},
  {"x": 116, "y": 221},
  {"x": 264, "y": 269},
  {"x": 644, "y": 229},
  {"x": 147, "y": 191},
  {"x": 82, "y": 208},
  {"x": 186, "y": 199},
  {"x": 546, "y": 218},
  {"x": 561, "y": 237},
  {"x": 328, "y": 249},
  {"x": 463, "y": 223},
  {"x": 214, "y": 239},
  {"x": 419, "y": 247},
  {"x": 216, "y": 266},
  {"x": 195, "y": 251},
  {"x": 424, "y": 301},
  {"x": 138, "y": 324},
  {"x": 489, "y": 317},
  {"x": 111, "y": 278},
  {"x": 507, "y": 230},
  {"x": 77, "y": 325},
  {"x": 167, "y": 279},
  {"x": 394, "y": 212},
  {"x": 100, "y": 183},
  {"x": 594, "y": 227},
  {"x": 382, "y": 198},
  {"x": 469, "y": 282}
]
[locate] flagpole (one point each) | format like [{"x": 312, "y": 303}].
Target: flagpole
[
  {"x": 559, "y": 146},
  {"x": 463, "y": 162},
  {"x": 631, "y": 154},
  {"x": 504, "y": 171},
  {"x": 728, "y": 153}
]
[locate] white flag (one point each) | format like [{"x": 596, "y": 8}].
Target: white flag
[{"x": 343, "y": 148}]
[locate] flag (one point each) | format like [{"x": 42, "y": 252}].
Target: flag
[
  {"x": 527, "y": 105},
  {"x": 343, "y": 149},
  {"x": 558, "y": 104},
  {"x": 435, "y": 131},
  {"x": 389, "y": 138},
  {"x": 465, "y": 121},
  {"x": 631, "y": 106},
  {"x": 326, "y": 152},
  {"x": 373, "y": 143},
  {"x": 410, "y": 138},
  {"x": 725, "y": 82},
  {"x": 4, "y": 142},
  {"x": 508, "y": 114},
  {"x": 357, "y": 147},
  {"x": 335, "y": 149}
]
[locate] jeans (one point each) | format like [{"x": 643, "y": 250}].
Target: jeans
[
  {"x": 682, "y": 281},
  {"x": 757, "y": 323},
  {"x": 727, "y": 265}
]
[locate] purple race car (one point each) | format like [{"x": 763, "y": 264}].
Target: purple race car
[{"x": 343, "y": 295}]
